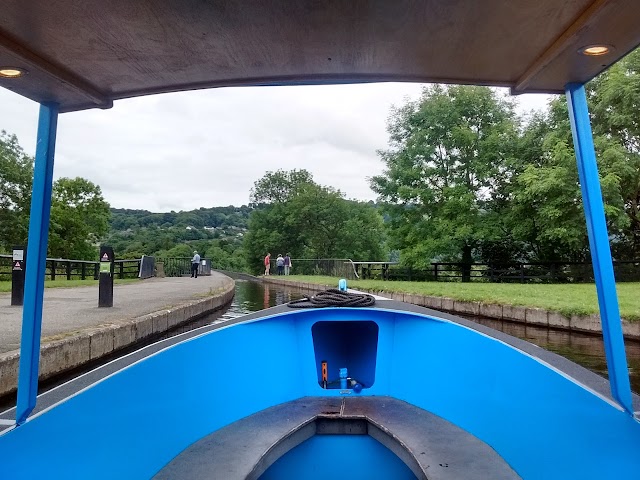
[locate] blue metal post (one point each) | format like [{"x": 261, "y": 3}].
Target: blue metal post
[
  {"x": 599, "y": 245},
  {"x": 36, "y": 262}
]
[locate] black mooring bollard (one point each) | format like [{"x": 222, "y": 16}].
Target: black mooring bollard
[
  {"x": 105, "y": 281},
  {"x": 18, "y": 268}
]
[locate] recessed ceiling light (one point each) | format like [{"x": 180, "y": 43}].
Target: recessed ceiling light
[
  {"x": 11, "y": 72},
  {"x": 596, "y": 50}
]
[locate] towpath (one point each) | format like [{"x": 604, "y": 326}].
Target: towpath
[{"x": 69, "y": 310}]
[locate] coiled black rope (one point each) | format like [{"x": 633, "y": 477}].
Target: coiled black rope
[{"x": 334, "y": 298}]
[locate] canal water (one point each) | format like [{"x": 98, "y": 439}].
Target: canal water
[{"x": 584, "y": 349}]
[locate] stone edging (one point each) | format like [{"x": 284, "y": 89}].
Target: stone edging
[
  {"x": 78, "y": 348},
  {"x": 532, "y": 316}
]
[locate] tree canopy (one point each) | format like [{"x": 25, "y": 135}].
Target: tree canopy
[
  {"x": 466, "y": 179},
  {"x": 79, "y": 213},
  {"x": 449, "y": 155},
  {"x": 279, "y": 186},
  {"x": 309, "y": 221},
  {"x": 79, "y": 219},
  {"x": 547, "y": 210},
  {"x": 216, "y": 233},
  {"x": 16, "y": 173},
  {"x": 614, "y": 100}
]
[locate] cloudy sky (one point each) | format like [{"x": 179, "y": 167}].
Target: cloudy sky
[{"x": 188, "y": 150}]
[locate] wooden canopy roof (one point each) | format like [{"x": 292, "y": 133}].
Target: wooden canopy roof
[{"x": 85, "y": 54}]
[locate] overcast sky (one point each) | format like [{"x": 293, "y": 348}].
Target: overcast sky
[{"x": 188, "y": 150}]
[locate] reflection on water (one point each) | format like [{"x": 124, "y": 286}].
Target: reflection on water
[
  {"x": 250, "y": 296},
  {"x": 254, "y": 296},
  {"x": 586, "y": 350}
]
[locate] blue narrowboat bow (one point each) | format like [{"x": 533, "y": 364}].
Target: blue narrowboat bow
[{"x": 246, "y": 400}]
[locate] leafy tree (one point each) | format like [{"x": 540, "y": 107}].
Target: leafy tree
[
  {"x": 512, "y": 224},
  {"x": 514, "y": 194},
  {"x": 179, "y": 251},
  {"x": 614, "y": 98},
  {"x": 317, "y": 215},
  {"x": 79, "y": 219},
  {"x": 79, "y": 214},
  {"x": 270, "y": 230},
  {"x": 279, "y": 186},
  {"x": 309, "y": 221},
  {"x": 227, "y": 257},
  {"x": 16, "y": 173},
  {"x": 363, "y": 235},
  {"x": 614, "y": 101},
  {"x": 274, "y": 226},
  {"x": 449, "y": 152},
  {"x": 547, "y": 209}
]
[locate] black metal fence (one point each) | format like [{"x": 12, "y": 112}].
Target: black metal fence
[
  {"x": 625, "y": 271},
  {"x": 58, "y": 268},
  {"x": 333, "y": 267},
  {"x": 181, "y": 266}
]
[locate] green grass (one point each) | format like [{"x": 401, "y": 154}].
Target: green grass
[
  {"x": 6, "y": 286},
  {"x": 568, "y": 299}
]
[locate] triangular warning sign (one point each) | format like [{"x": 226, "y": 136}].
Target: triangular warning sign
[
  {"x": 17, "y": 266},
  {"x": 105, "y": 258}
]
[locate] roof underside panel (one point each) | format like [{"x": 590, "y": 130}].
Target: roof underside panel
[{"x": 87, "y": 54}]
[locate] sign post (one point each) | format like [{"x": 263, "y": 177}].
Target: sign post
[
  {"x": 105, "y": 285},
  {"x": 18, "y": 268}
]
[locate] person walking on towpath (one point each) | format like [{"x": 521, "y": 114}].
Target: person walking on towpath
[
  {"x": 287, "y": 263},
  {"x": 280, "y": 264},
  {"x": 195, "y": 263},
  {"x": 267, "y": 263}
]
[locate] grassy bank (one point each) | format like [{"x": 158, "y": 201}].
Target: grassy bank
[
  {"x": 6, "y": 286},
  {"x": 568, "y": 299}
]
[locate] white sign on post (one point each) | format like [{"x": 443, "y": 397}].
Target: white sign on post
[{"x": 18, "y": 255}]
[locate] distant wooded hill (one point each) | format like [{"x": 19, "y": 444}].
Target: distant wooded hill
[
  {"x": 123, "y": 219},
  {"x": 215, "y": 232}
]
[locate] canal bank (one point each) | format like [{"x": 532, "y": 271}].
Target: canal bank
[
  {"x": 75, "y": 331},
  {"x": 519, "y": 314}
]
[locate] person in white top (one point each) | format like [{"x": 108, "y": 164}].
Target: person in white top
[{"x": 195, "y": 263}]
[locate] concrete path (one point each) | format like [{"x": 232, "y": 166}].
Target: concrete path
[{"x": 68, "y": 310}]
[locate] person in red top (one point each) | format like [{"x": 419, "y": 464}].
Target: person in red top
[{"x": 267, "y": 263}]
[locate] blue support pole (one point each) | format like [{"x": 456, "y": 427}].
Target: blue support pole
[
  {"x": 599, "y": 245},
  {"x": 36, "y": 262}
]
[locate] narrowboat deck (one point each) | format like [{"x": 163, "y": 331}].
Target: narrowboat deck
[
  {"x": 246, "y": 400},
  {"x": 431, "y": 447},
  {"x": 58, "y": 394}
]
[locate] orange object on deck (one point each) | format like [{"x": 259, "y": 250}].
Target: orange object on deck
[{"x": 325, "y": 374}]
